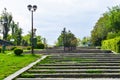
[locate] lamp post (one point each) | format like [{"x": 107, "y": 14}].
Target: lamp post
[
  {"x": 32, "y": 9},
  {"x": 64, "y": 37}
]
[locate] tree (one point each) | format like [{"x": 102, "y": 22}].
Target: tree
[
  {"x": 108, "y": 23},
  {"x": 18, "y": 36},
  {"x": 39, "y": 39},
  {"x": 13, "y": 25},
  {"x": 114, "y": 13},
  {"x": 16, "y": 33},
  {"x": 27, "y": 39},
  {"x": 6, "y": 18},
  {"x": 67, "y": 39}
]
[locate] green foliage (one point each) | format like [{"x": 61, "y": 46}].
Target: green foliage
[
  {"x": 86, "y": 41},
  {"x": 108, "y": 23},
  {"x": 40, "y": 45},
  {"x": 11, "y": 25},
  {"x": 113, "y": 35},
  {"x": 112, "y": 44},
  {"x": 18, "y": 52},
  {"x": 5, "y": 16},
  {"x": 16, "y": 33},
  {"x": 67, "y": 39},
  {"x": 39, "y": 38},
  {"x": 29, "y": 47},
  {"x": 12, "y": 48},
  {"x": 26, "y": 39},
  {"x": 24, "y": 43}
]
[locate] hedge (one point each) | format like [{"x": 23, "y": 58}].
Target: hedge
[
  {"x": 40, "y": 45},
  {"x": 112, "y": 44},
  {"x": 18, "y": 52}
]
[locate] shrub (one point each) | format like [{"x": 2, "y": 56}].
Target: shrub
[
  {"x": 29, "y": 47},
  {"x": 12, "y": 48},
  {"x": 40, "y": 45},
  {"x": 18, "y": 52},
  {"x": 112, "y": 44}
]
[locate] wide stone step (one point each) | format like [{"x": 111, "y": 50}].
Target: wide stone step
[
  {"x": 73, "y": 62},
  {"x": 76, "y": 67},
  {"x": 75, "y": 71},
  {"x": 82, "y": 64},
  {"x": 75, "y": 51},
  {"x": 73, "y": 75},
  {"x": 74, "y": 54},
  {"x": 101, "y": 55},
  {"x": 87, "y": 57},
  {"x": 67, "y": 79}
]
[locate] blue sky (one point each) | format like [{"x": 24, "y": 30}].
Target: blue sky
[{"x": 52, "y": 16}]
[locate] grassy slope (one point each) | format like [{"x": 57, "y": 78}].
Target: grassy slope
[{"x": 9, "y": 63}]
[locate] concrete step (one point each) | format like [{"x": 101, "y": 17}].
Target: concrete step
[
  {"x": 67, "y": 79},
  {"x": 79, "y": 59},
  {"x": 76, "y": 67},
  {"x": 73, "y": 75},
  {"x": 75, "y": 71},
  {"x": 88, "y": 54},
  {"x": 82, "y": 64},
  {"x": 74, "y": 54},
  {"x": 75, "y": 51},
  {"x": 87, "y": 57},
  {"x": 68, "y": 62}
]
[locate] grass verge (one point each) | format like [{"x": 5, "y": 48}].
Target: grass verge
[{"x": 9, "y": 63}]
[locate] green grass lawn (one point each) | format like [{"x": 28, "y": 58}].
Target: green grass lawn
[{"x": 9, "y": 63}]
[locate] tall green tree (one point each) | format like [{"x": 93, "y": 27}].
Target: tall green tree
[
  {"x": 100, "y": 30},
  {"x": 114, "y": 13},
  {"x": 107, "y": 25},
  {"x": 6, "y": 18},
  {"x": 67, "y": 39},
  {"x": 13, "y": 26},
  {"x": 18, "y": 36},
  {"x": 16, "y": 33}
]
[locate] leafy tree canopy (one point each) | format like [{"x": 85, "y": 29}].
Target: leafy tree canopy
[
  {"x": 67, "y": 39},
  {"x": 108, "y": 23}
]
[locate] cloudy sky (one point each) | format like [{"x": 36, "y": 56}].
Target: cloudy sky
[{"x": 52, "y": 16}]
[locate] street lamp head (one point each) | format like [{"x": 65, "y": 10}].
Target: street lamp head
[
  {"x": 34, "y": 7},
  {"x": 29, "y": 7}
]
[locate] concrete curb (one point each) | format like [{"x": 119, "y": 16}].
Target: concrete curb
[
  {"x": 114, "y": 52},
  {"x": 12, "y": 76}
]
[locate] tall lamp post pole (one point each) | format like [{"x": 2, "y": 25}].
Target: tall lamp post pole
[
  {"x": 32, "y": 9},
  {"x": 64, "y": 37}
]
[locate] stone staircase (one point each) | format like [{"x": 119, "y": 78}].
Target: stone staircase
[{"x": 75, "y": 66}]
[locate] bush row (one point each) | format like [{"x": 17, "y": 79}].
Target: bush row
[{"x": 112, "y": 44}]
